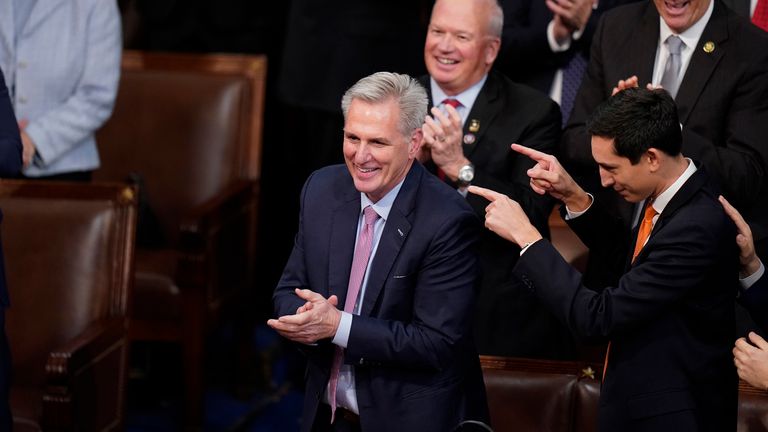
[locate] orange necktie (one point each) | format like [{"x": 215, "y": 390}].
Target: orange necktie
[
  {"x": 642, "y": 237},
  {"x": 645, "y": 228}
]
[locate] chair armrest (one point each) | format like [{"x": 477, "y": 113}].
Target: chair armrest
[
  {"x": 210, "y": 216},
  {"x": 88, "y": 371},
  {"x": 218, "y": 244},
  {"x": 86, "y": 348}
]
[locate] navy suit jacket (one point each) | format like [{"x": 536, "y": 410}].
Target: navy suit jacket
[
  {"x": 755, "y": 300},
  {"x": 670, "y": 319},
  {"x": 722, "y": 101},
  {"x": 416, "y": 368},
  {"x": 10, "y": 162},
  {"x": 525, "y": 54}
]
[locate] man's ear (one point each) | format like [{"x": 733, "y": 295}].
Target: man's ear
[
  {"x": 652, "y": 157},
  {"x": 492, "y": 51},
  {"x": 417, "y": 138}
]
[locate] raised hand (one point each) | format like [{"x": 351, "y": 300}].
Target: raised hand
[
  {"x": 505, "y": 217},
  {"x": 549, "y": 177}
]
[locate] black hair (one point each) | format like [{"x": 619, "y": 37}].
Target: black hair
[{"x": 637, "y": 119}]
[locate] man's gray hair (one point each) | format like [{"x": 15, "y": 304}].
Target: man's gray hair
[
  {"x": 495, "y": 19},
  {"x": 382, "y": 86}
]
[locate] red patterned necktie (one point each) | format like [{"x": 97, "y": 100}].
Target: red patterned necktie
[
  {"x": 452, "y": 102},
  {"x": 456, "y": 104},
  {"x": 359, "y": 264},
  {"x": 760, "y": 16}
]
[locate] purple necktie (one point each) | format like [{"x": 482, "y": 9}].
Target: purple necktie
[
  {"x": 356, "y": 274},
  {"x": 573, "y": 72}
]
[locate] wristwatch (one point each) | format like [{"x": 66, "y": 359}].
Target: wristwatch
[{"x": 466, "y": 175}]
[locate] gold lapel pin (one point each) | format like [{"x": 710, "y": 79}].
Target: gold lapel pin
[
  {"x": 474, "y": 125},
  {"x": 709, "y": 47}
]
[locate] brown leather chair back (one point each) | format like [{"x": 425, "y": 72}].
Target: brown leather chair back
[
  {"x": 187, "y": 125},
  {"x": 528, "y": 395},
  {"x": 69, "y": 256}
]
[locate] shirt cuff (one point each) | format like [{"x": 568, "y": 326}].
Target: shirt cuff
[
  {"x": 751, "y": 279},
  {"x": 553, "y": 45},
  {"x": 526, "y": 246},
  {"x": 342, "y": 333},
  {"x": 573, "y": 215}
]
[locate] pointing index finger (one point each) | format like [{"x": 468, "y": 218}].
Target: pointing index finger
[
  {"x": 531, "y": 153},
  {"x": 485, "y": 193}
]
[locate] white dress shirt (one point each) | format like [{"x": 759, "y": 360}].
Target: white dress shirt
[
  {"x": 689, "y": 37},
  {"x": 346, "y": 395}
]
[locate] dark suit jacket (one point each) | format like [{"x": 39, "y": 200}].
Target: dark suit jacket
[
  {"x": 416, "y": 368},
  {"x": 722, "y": 101},
  {"x": 755, "y": 300},
  {"x": 741, "y": 7},
  {"x": 10, "y": 166},
  {"x": 10, "y": 161},
  {"x": 670, "y": 319},
  {"x": 525, "y": 54},
  {"x": 509, "y": 320}
]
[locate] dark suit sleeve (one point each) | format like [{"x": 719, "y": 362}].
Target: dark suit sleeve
[
  {"x": 295, "y": 273},
  {"x": 755, "y": 300},
  {"x": 441, "y": 305},
  {"x": 10, "y": 142},
  {"x": 575, "y": 146},
  {"x": 738, "y": 159},
  {"x": 525, "y": 37},
  {"x": 675, "y": 263}
]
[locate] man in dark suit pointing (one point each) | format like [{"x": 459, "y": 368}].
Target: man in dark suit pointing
[
  {"x": 670, "y": 317},
  {"x": 715, "y": 65},
  {"x": 385, "y": 319}
]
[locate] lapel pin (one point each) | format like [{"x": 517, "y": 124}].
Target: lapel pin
[
  {"x": 469, "y": 138},
  {"x": 400, "y": 232},
  {"x": 474, "y": 125},
  {"x": 709, "y": 47}
]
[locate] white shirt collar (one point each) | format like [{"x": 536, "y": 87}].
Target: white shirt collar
[
  {"x": 661, "y": 201},
  {"x": 691, "y": 36},
  {"x": 384, "y": 205},
  {"x": 467, "y": 97}
]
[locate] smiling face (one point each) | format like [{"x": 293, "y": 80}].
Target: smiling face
[
  {"x": 680, "y": 15},
  {"x": 633, "y": 182},
  {"x": 458, "y": 50},
  {"x": 377, "y": 154}
]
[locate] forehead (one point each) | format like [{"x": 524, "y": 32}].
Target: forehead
[
  {"x": 603, "y": 150},
  {"x": 466, "y": 15},
  {"x": 372, "y": 117}
]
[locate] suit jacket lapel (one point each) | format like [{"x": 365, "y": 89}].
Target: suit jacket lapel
[
  {"x": 341, "y": 248},
  {"x": 392, "y": 238},
  {"x": 642, "y": 50},
  {"x": 703, "y": 63},
  {"x": 697, "y": 181},
  {"x": 487, "y": 105}
]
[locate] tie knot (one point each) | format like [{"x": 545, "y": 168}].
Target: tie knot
[
  {"x": 650, "y": 212},
  {"x": 370, "y": 215},
  {"x": 452, "y": 102},
  {"x": 674, "y": 44}
]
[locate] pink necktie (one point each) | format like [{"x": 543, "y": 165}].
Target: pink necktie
[{"x": 359, "y": 264}]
